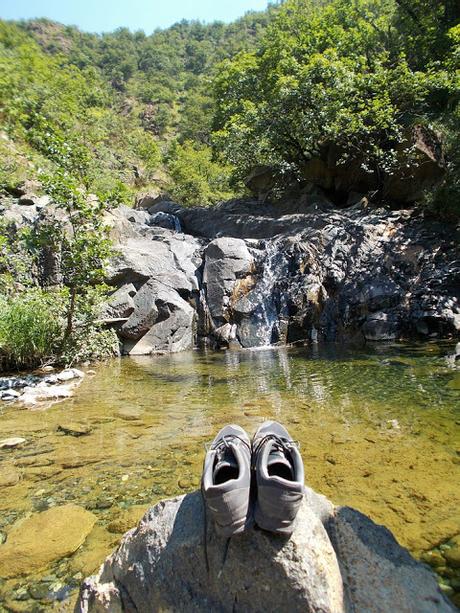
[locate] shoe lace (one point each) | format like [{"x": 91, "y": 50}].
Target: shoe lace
[
  {"x": 280, "y": 443},
  {"x": 224, "y": 443}
]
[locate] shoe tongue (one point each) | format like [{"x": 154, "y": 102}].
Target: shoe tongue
[
  {"x": 225, "y": 460},
  {"x": 277, "y": 456}
]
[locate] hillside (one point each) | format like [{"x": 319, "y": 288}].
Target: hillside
[{"x": 112, "y": 109}]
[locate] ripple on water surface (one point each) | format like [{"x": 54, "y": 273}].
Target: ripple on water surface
[{"x": 378, "y": 430}]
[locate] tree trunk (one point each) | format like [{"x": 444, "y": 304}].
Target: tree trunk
[{"x": 70, "y": 313}]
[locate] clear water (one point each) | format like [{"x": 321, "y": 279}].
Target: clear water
[{"x": 378, "y": 429}]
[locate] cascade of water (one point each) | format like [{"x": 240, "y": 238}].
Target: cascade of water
[{"x": 270, "y": 301}]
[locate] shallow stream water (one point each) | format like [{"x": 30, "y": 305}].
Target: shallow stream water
[{"x": 378, "y": 429}]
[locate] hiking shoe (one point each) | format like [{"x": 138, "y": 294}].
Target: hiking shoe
[
  {"x": 226, "y": 480},
  {"x": 279, "y": 478}
]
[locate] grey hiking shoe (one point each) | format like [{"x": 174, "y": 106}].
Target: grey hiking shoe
[
  {"x": 279, "y": 478},
  {"x": 226, "y": 480}
]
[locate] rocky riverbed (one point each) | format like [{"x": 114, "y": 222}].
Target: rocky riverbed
[{"x": 42, "y": 389}]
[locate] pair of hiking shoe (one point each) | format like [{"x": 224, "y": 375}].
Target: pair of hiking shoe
[{"x": 260, "y": 481}]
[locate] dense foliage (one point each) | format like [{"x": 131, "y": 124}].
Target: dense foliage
[
  {"x": 107, "y": 108},
  {"x": 356, "y": 74}
]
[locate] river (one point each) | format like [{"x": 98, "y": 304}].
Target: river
[{"x": 377, "y": 427}]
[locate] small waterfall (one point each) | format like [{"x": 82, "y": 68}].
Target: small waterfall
[{"x": 265, "y": 307}]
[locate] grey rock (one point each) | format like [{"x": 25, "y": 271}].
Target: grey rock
[
  {"x": 380, "y": 327},
  {"x": 295, "y": 272},
  {"x": 18, "y": 216},
  {"x": 145, "y": 202},
  {"x": 174, "y": 328},
  {"x": 226, "y": 261},
  {"x": 144, "y": 314},
  {"x": 165, "y": 220},
  {"x": 10, "y": 394},
  {"x": 70, "y": 373},
  {"x": 121, "y": 304},
  {"x": 170, "y": 259},
  {"x": 337, "y": 560},
  {"x": 32, "y": 199}
]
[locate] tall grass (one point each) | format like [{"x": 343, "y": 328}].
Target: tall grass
[{"x": 31, "y": 328}]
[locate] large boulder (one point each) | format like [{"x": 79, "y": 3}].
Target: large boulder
[
  {"x": 227, "y": 269},
  {"x": 173, "y": 326},
  {"x": 336, "y": 561}
]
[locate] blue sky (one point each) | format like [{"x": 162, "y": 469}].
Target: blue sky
[{"x": 107, "y": 15}]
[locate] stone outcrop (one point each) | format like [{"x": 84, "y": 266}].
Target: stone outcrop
[
  {"x": 251, "y": 274},
  {"x": 336, "y": 561}
]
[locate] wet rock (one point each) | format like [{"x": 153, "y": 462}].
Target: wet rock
[
  {"x": 9, "y": 394},
  {"x": 162, "y": 565},
  {"x": 434, "y": 559},
  {"x": 69, "y": 374},
  {"x": 127, "y": 519},
  {"x": 74, "y": 429},
  {"x": 380, "y": 327},
  {"x": 14, "y": 441},
  {"x": 45, "y": 393},
  {"x": 226, "y": 260},
  {"x": 129, "y": 414},
  {"x": 39, "y": 591},
  {"x": 95, "y": 549},
  {"x": 9, "y": 475},
  {"x": 452, "y": 555},
  {"x": 165, "y": 220},
  {"x": 42, "y": 538}
]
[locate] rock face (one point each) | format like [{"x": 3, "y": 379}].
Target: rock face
[
  {"x": 337, "y": 560},
  {"x": 251, "y": 274}
]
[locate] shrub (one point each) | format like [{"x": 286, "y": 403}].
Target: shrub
[
  {"x": 31, "y": 327},
  {"x": 196, "y": 178}
]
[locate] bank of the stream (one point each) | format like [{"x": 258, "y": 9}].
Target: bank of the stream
[{"x": 378, "y": 429}]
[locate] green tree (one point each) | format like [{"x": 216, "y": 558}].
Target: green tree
[
  {"x": 197, "y": 179},
  {"x": 323, "y": 74}
]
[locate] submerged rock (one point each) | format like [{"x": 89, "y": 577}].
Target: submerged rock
[
  {"x": 74, "y": 429},
  {"x": 337, "y": 560},
  {"x": 14, "y": 441},
  {"x": 9, "y": 475},
  {"x": 42, "y": 538}
]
